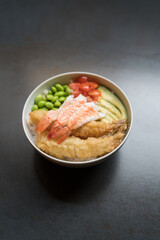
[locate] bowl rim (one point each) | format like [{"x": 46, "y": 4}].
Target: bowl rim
[{"x": 69, "y": 162}]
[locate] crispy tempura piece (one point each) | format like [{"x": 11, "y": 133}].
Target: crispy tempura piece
[
  {"x": 98, "y": 129},
  {"x": 76, "y": 149},
  {"x": 36, "y": 116}
]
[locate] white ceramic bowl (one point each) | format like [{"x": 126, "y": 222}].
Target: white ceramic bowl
[{"x": 65, "y": 78}]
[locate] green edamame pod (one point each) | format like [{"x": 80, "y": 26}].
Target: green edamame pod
[
  {"x": 68, "y": 91},
  {"x": 59, "y": 87},
  {"x": 57, "y": 104},
  {"x": 65, "y": 86},
  {"x": 50, "y": 97},
  {"x": 60, "y": 94},
  {"x": 34, "y": 107},
  {"x": 61, "y": 99},
  {"x": 44, "y": 108},
  {"x": 44, "y": 98},
  {"x": 38, "y": 98},
  {"x": 54, "y": 108},
  {"x": 41, "y": 104},
  {"x": 50, "y": 92},
  {"x": 54, "y": 99},
  {"x": 54, "y": 90},
  {"x": 49, "y": 105}
]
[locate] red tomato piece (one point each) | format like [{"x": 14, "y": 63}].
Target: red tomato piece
[
  {"x": 74, "y": 86},
  {"x": 76, "y": 93},
  {"x": 94, "y": 93},
  {"x": 92, "y": 85},
  {"x": 84, "y": 93},
  {"x": 81, "y": 79},
  {"x": 95, "y": 98},
  {"x": 85, "y": 87}
]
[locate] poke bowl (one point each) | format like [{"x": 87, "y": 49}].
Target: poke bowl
[{"x": 90, "y": 132}]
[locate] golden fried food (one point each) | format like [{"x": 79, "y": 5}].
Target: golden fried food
[
  {"x": 74, "y": 148},
  {"x": 92, "y": 140},
  {"x": 91, "y": 129},
  {"x": 36, "y": 116},
  {"x": 97, "y": 129}
]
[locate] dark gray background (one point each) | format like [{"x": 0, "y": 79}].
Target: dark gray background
[{"x": 119, "y": 199}]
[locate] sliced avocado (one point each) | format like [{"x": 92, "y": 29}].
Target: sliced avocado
[
  {"x": 108, "y": 113},
  {"x": 107, "y": 119},
  {"x": 110, "y": 107},
  {"x": 113, "y": 99}
]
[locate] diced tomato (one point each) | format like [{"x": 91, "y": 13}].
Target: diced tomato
[
  {"x": 74, "y": 86},
  {"x": 76, "y": 93},
  {"x": 92, "y": 85},
  {"x": 94, "y": 93},
  {"x": 85, "y": 87},
  {"x": 95, "y": 98},
  {"x": 81, "y": 79},
  {"x": 84, "y": 93}
]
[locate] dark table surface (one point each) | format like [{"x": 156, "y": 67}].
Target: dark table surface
[{"x": 119, "y": 199}]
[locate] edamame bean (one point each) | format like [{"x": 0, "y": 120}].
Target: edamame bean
[
  {"x": 34, "y": 107},
  {"x": 49, "y": 105},
  {"x": 50, "y": 97},
  {"x": 44, "y": 98},
  {"x": 54, "y": 90},
  {"x": 59, "y": 87},
  {"x": 38, "y": 98},
  {"x": 64, "y": 87},
  {"x": 68, "y": 91},
  {"x": 41, "y": 104},
  {"x": 65, "y": 94},
  {"x": 57, "y": 104},
  {"x": 44, "y": 108},
  {"x": 54, "y": 99},
  {"x": 62, "y": 99},
  {"x": 60, "y": 94},
  {"x": 49, "y": 92},
  {"x": 54, "y": 108}
]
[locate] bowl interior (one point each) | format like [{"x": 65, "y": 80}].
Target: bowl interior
[{"x": 65, "y": 79}]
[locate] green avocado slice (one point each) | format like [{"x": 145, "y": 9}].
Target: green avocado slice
[
  {"x": 108, "y": 113},
  {"x": 107, "y": 119},
  {"x": 110, "y": 107},
  {"x": 110, "y": 97}
]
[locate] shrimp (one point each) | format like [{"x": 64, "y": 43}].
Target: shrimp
[
  {"x": 98, "y": 129},
  {"x": 65, "y": 114},
  {"x": 87, "y": 112},
  {"x": 46, "y": 121}
]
